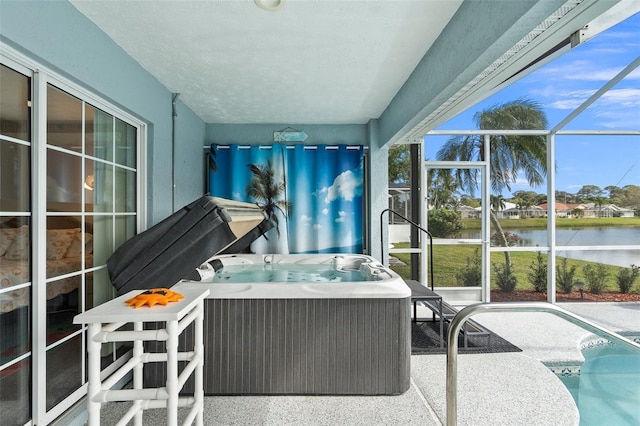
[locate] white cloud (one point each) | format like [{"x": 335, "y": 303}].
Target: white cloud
[
  {"x": 569, "y": 99},
  {"x": 623, "y": 97},
  {"x": 346, "y": 185},
  {"x": 583, "y": 70},
  {"x": 341, "y": 217},
  {"x": 305, "y": 219},
  {"x": 317, "y": 226},
  {"x": 325, "y": 211}
]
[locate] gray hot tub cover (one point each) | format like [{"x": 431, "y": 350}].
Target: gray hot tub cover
[{"x": 172, "y": 249}]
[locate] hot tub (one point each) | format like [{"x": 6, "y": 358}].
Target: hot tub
[{"x": 304, "y": 324}]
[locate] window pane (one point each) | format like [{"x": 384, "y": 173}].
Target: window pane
[
  {"x": 15, "y": 242},
  {"x": 87, "y": 242},
  {"x": 457, "y": 265},
  {"x": 15, "y": 168},
  {"x": 64, "y": 120},
  {"x": 99, "y": 134},
  {"x": 15, "y": 308},
  {"x": 524, "y": 280},
  {"x": 99, "y": 289},
  {"x": 99, "y": 195},
  {"x": 125, "y": 144},
  {"x": 62, "y": 306},
  {"x": 63, "y": 245},
  {"x": 125, "y": 229},
  {"x": 102, "y": 242},
  {"x": 599, "y": 206},
  {"x": 522, "y": 218},
  {"x": 64, "y": 370},
  {"x": 64, "y": 182},
  {"x": 15, "y": 395},
  {"x": 15, "y": 117},
  {"x": 125, "y": 190},
  {"x": 601, "y": 274}
]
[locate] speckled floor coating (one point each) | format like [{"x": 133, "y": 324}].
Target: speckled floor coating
[{"x": 496, "y": 389}]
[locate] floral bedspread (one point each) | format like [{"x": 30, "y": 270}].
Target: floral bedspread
[{"x": 15, "y": 272}]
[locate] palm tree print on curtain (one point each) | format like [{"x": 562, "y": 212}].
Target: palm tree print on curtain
[{"x": 313, "y": 194}]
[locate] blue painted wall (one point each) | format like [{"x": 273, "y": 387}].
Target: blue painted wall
[
  {"x": 263, "y": 133},
  {"x": 57, "y": 35}
]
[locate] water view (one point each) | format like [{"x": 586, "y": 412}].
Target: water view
[{"x": 582, "y": 237}]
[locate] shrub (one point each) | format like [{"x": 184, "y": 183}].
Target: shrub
[
  {"x": 505, "y": 278},
  {"x": 471, "y": 275},
  {"x": 538, "y": 274},
  {"x": 596, "y": 277},
  {"x": 511, "y": 237},
  {"x": 564, "y": 276},
  {"x": 626, "y": 277},
  {"x": 444, "y": 223}
]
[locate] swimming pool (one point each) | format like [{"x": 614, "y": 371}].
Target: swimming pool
[{"x": 606, "y": 387}]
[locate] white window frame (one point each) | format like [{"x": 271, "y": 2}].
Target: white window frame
[{"x": 41, "y": 76}]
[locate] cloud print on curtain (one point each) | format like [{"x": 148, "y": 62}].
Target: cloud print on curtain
[{"x": 312, "y": 193}]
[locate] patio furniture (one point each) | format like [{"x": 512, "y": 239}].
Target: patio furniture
[
  {"x": 431, "y": 299},
  {"x": 105, "y": 324}
]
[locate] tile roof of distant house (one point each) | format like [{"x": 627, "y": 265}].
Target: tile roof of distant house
[{"x": 563, "y": 206}]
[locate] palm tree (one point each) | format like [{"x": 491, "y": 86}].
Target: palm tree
[
  {"x": 443, "y": 189},
  {"x": 267, "y": 192},
  {"x": 510, "y": 155},
  {"x": 498, "y": 203}
]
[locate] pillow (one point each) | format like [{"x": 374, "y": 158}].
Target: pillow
[
  {"x": 7, "y": 237},
  {"x": 59, "y": 241},
  {"x": 76, "y": 245},
  {"x": 19, "y": 248}
]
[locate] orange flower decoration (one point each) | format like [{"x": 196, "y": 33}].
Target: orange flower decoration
[{"x": 154, "y": 296}]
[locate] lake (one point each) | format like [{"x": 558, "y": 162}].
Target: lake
[{"x": 583, "y": 237}]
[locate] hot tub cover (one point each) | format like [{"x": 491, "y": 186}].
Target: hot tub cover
[{"x": 172, "y": 249}]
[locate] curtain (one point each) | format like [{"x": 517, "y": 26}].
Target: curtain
[{"x": 313, "y": 194}]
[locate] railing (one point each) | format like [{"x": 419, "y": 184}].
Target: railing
[
  {"x": 465, "y": 313},
  {"x": 415, "y": 225}
]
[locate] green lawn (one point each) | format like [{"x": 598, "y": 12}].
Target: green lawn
[
  {"x": 560, "y": 222},
  {"x": 448, "y": 260}
]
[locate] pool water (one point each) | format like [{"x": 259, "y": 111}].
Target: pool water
[
  {"x": 287, "y": 272},
  {"x": 607, "y": 390}
]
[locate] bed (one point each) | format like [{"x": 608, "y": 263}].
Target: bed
[{"x": 64, "y": 256}]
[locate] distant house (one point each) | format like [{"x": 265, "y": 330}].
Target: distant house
[
  {"x": 399, "y": 201},
  {"x": 467, "y": 212},
  {"x": 518, "y": 213},
  {"x": 607, "y": 210},
  {"x": 589, "y": 210},
  {"x": 512, "y": 211}
]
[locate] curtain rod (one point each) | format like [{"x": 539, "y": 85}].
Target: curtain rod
[{"x": 292, "y": 146}]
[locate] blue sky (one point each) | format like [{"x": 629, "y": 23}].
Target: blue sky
[{"x": 563, "y": 85}]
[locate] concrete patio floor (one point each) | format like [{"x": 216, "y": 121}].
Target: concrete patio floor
[{"x": 500, "y": 388}]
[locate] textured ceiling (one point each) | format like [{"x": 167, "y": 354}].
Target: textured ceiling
[{"x": 314, "y": 62}]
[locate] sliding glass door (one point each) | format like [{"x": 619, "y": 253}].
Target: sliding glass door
[
  {"x": 68, "y": 197},
  {"x": 16, "y": 306}
]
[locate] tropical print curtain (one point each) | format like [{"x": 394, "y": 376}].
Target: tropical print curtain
[{"x": 313, "y": 194}]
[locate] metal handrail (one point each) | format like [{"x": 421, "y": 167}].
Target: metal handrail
[
  {"x": 415, "y": 225},
  {"x": 465, "y": 313}
]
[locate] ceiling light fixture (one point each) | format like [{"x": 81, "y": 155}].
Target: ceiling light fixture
[{"x": 269, "y": 5}]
